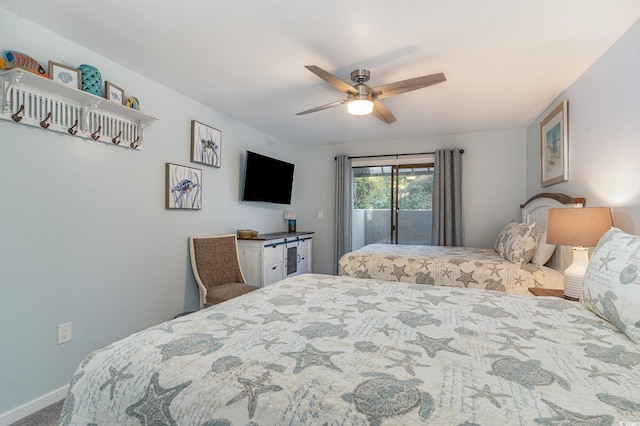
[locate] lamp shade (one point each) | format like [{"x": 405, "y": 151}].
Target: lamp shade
[{"x": 578, "y": 227}]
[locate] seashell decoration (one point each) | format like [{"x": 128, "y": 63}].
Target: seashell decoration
[{"x": 65, "y": 77}]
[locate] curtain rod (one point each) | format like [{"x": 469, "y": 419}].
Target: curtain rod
[{"x": 393, "y": 155}]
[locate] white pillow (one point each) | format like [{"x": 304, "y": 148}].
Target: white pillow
[
  {"x": 544, "y": 251},
  {"x": 612, "y": 282}
]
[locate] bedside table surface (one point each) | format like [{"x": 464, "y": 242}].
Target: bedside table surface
[{"x": 539, "y": 291}]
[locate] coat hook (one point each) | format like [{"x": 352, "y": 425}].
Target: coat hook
[
  {"x": 44, "y": 123},
  {"x": 72, "y": 130},
  {"x": 96, "y": 135},
  {"x": 16, "y": 117},
  {"x": 117, "y": 139},
  {"x": 134, "y": 144}
]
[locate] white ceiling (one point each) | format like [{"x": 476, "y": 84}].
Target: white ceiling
[{"x": 505, "y": 60}]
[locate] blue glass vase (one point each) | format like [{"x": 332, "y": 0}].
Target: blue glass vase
[{"x": 91, "y": 79}]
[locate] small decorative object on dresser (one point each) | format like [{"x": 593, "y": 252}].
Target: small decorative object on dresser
[
  {"x": 554, "y": 152},
  {"x": 115, "y": 93},
  {"x": 206, "y": 144},
  {"x": 244, "y": 233},
  {"x": 290, "y": 217},
  {"x": 91, "y": 79},
  {"x": 63, "y": 74},
  {"x": 183, "y": 188}
]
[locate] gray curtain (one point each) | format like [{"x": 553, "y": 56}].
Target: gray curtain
[
  {"x": 343, "y": 209},
  {"x": 446, "y": 228}
]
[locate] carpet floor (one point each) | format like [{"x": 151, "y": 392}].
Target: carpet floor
[{"x": 48, "y": 416}]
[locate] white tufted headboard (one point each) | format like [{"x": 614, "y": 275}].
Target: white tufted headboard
[{"x": 535, "y": 210}]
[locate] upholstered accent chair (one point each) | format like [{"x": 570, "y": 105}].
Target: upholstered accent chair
[{"x": 216, "y": 268}]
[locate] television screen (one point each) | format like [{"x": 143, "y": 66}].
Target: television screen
[{"x": 267, "y": 179}]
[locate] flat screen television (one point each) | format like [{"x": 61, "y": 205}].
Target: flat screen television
[{"x": 267, "y": 179}]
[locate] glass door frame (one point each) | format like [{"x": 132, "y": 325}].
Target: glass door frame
[{"x": 395, "y": 197}]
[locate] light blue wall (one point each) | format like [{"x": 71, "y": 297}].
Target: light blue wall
[
  {"x": 84, "y": 235},
  {"x": 493, "y": 183},
  {"x": 604, "y": 134}
]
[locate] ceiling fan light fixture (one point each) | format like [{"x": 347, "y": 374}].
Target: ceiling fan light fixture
[
  {"x": 360, "y": 106},
  {"x": 362, "y": 99}
]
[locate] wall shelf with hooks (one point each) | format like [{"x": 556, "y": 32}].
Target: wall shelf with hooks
[{"x": 33, "y": 100}]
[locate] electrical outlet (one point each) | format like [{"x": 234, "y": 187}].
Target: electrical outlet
[
  {"x": 320, "y": 214},
  {"x": 64, "y": 333}
]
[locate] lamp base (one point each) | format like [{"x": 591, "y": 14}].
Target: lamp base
[{"x": 574, "y": 274}]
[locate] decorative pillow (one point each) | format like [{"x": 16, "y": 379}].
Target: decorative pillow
[
  {"x": 544, "y": 251},
  {"x": 498, "y": 246},
  {"x": 612, "y": 282},
  {"x": 517, "y": 242}
]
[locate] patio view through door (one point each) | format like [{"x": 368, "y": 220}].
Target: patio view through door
[{"x": 392, "y": 204}]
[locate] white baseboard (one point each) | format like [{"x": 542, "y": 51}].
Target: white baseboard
[{"x": 33, "y": 406}]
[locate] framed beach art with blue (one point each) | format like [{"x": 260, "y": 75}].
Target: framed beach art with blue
[
  {"x": 183, "y": 187},
  {"x": 65, "y": 75},
  {"x": 554, "y": 141},
  {"x": 206, "y": 144}
]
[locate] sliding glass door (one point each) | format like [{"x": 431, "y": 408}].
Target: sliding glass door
[{"x": 392, "y": 204}]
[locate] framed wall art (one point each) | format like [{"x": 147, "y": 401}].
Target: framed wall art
[
  {"x": 206, "y": 144},
  {"x": 63, "y": 74},
  {"x": 114, "y": 93},
  {"x": 183, "y": 187},
  {"x": 554, "y": 141}
]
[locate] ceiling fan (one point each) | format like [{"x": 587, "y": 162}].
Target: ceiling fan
[{"x": 362, "y": 99}]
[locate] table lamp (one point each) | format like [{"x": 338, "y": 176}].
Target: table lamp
[{"x": 580, "y": 228}]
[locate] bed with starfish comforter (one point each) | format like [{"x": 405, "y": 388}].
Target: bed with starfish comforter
[
  {"x": 447, "y": 266},
  {"x": 326, "y": 350}
]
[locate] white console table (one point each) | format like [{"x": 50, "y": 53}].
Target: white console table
[{"x": 268, "y": 258}]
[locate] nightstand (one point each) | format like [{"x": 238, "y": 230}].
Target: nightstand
[{"x": 538, "y": 291}]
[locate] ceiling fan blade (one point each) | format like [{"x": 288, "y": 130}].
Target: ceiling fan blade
[
  {"x": 332, "y": 79},
  {"x": 320, "y": 108},
  {"x": 380, "y": 111},
  {"x": 403, "y": 86}
]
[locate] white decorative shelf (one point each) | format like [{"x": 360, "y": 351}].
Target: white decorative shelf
[{"x": 30, "y": 99}]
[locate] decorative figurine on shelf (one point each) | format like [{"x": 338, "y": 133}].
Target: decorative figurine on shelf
[
  {"x": 133, "y": 103},
  {"x": 91, "y": 79},
  {"x": 12, "y": 59},
  {"x": 290, "y": 217}
]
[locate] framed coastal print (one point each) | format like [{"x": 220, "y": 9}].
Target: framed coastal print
[
  {"x": 114, "y": 93},
  {"x": 183, "y": 187},
  {"x": 206, "y": 144},
  {"x": 63, "y": 74},
  {"x": 554, "y": 141}
]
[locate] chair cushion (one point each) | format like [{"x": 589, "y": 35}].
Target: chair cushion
[{"x": 224, "y": 292}]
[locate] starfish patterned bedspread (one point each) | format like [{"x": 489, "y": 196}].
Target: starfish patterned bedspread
[
  {"x": 447, "y": 266},
  {"x": 326, "y": 350}
]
